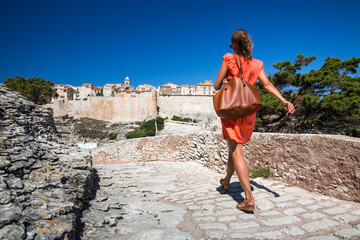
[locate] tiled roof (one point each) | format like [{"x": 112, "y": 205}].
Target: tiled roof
[
  {"x": 88, "y": 85},
  {"x": 204, "y": 84},
  {"x": 170, "y": 85}
]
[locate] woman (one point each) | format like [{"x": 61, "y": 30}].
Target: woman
[{"x": 238, "y": 132}]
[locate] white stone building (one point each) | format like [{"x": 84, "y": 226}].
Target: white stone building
[
  {"x": 96, "y": 91},
  {"x": 145, "y": 87},
  {"x": 205, "y": 88},
  {"x": 169, "y": 89},
  {"x": 64, "y": 91},
  {"x": 108, "y": 89},
  {"x": 188, "y": 89},
  {"x": 85, "y": 90}
]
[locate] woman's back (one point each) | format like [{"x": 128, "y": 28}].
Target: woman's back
[{"x": 250, "y": 68}]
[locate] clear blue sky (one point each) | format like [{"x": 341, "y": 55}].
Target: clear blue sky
[{"x": 155, "y": 42}]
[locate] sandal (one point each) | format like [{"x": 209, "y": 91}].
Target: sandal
[
  {"x": 246, "y": 207},
  {"x": 225, "y": 187}
]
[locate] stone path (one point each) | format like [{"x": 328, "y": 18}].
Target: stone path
[
  {"x": 183, "y": 200},
  {"x": 179, "y": 128}
]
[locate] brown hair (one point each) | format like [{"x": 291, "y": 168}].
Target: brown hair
[{"x": 242, "y": 44}]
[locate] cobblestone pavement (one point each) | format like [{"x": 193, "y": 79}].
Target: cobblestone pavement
[{"x": 183, "y": 200}]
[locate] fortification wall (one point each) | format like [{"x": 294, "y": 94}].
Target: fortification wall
[
  {"x": 327, "y": 164},
  {"x": 196, "y": 107},
  {"x": 139, "y": 106},
  {"x": 123, "y": 107}
]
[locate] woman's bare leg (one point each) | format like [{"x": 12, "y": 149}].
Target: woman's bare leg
[
  {"x": 229, "y": 166},
  {"x": 242, "y": 170}
]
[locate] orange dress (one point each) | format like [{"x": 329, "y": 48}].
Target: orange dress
[{"x": 240, "y": 130}]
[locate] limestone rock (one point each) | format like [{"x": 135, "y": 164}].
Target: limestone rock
[
  {"x": 13, "y": 232},
  {"x": 44, "y": 180}
]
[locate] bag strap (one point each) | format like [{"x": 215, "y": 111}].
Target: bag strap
[{"x": 240, "y": 69}]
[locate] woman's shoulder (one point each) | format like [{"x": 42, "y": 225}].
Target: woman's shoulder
[
  {"x": 229, "y": 60},
  {"x": 228, "y": 56},
  {"x": 256, "y": 62}
]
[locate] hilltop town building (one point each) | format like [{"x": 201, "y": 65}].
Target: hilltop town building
[
  {"x": 64, "y": 91},
  {"x": 145, "y": 87},
  {"x": 205, "y": 88},
  {"x": 77, "y": 93},
  {"x": 169, "y": 89},
  {"x": 85, "y": 90},
  {"x": 96, "y": 91},
  {"x": 123, "y": 87},
  {"x": 108, "y": 89},
  {"x": 69, "y": 92},
  {"x": 188, "y": 89}
]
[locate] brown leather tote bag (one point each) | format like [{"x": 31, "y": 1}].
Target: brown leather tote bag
[{"x": 237, "y": 99}]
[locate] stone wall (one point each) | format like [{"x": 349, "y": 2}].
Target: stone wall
[
  {"x": 322, "y": 163},
  {"x": 196, "y": 107},
  {"x": 43, "y": 180},
  {"x": 123, "y": 107},
  {"x": 138, "y": 106}
]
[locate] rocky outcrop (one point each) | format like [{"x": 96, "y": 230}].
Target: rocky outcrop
[
  {"x": 327, "y": 164},
  {"x": 90, "y": 130},
  {"x": 43, "y": 180}
]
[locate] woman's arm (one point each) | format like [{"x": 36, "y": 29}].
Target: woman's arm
[
  {"x": 273, "y": 91},
  {"x": 222, "y": 74}
]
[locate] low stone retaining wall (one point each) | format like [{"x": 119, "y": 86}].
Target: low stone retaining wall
[{"x": 323, "y": 163}]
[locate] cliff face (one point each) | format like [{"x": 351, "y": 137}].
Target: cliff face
[{"x": 43, "y": 180}]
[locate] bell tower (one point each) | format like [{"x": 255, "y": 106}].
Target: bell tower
[{"x": 127, "y": 81}]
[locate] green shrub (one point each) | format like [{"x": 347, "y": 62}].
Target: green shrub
[
  {"x": 115, "y": 125},
  {"x": 354, "y": 132},
  {"x": 176, "y": 118},
  {"x": 139, "y": 133},
  {"x": 160, "y": 123},
  {"x": 147, "y": 128},
  {"x": 112, "y": 136},
  {"x": 50, "y": 111},
  {"x": 260, "y": 172},
  {"x": 36, "y": 89},
  {"x": 181, "y": 119},
  {"x": 91, "y": 128}
]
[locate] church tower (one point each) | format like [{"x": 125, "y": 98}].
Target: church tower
[{"x": 127, "y": 81}]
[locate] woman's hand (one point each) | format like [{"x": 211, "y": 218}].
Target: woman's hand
[
  {"x": 225, "y": 81},
  {"x": 288, "y": 106},
  {"x": 273, "y": 91}
]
